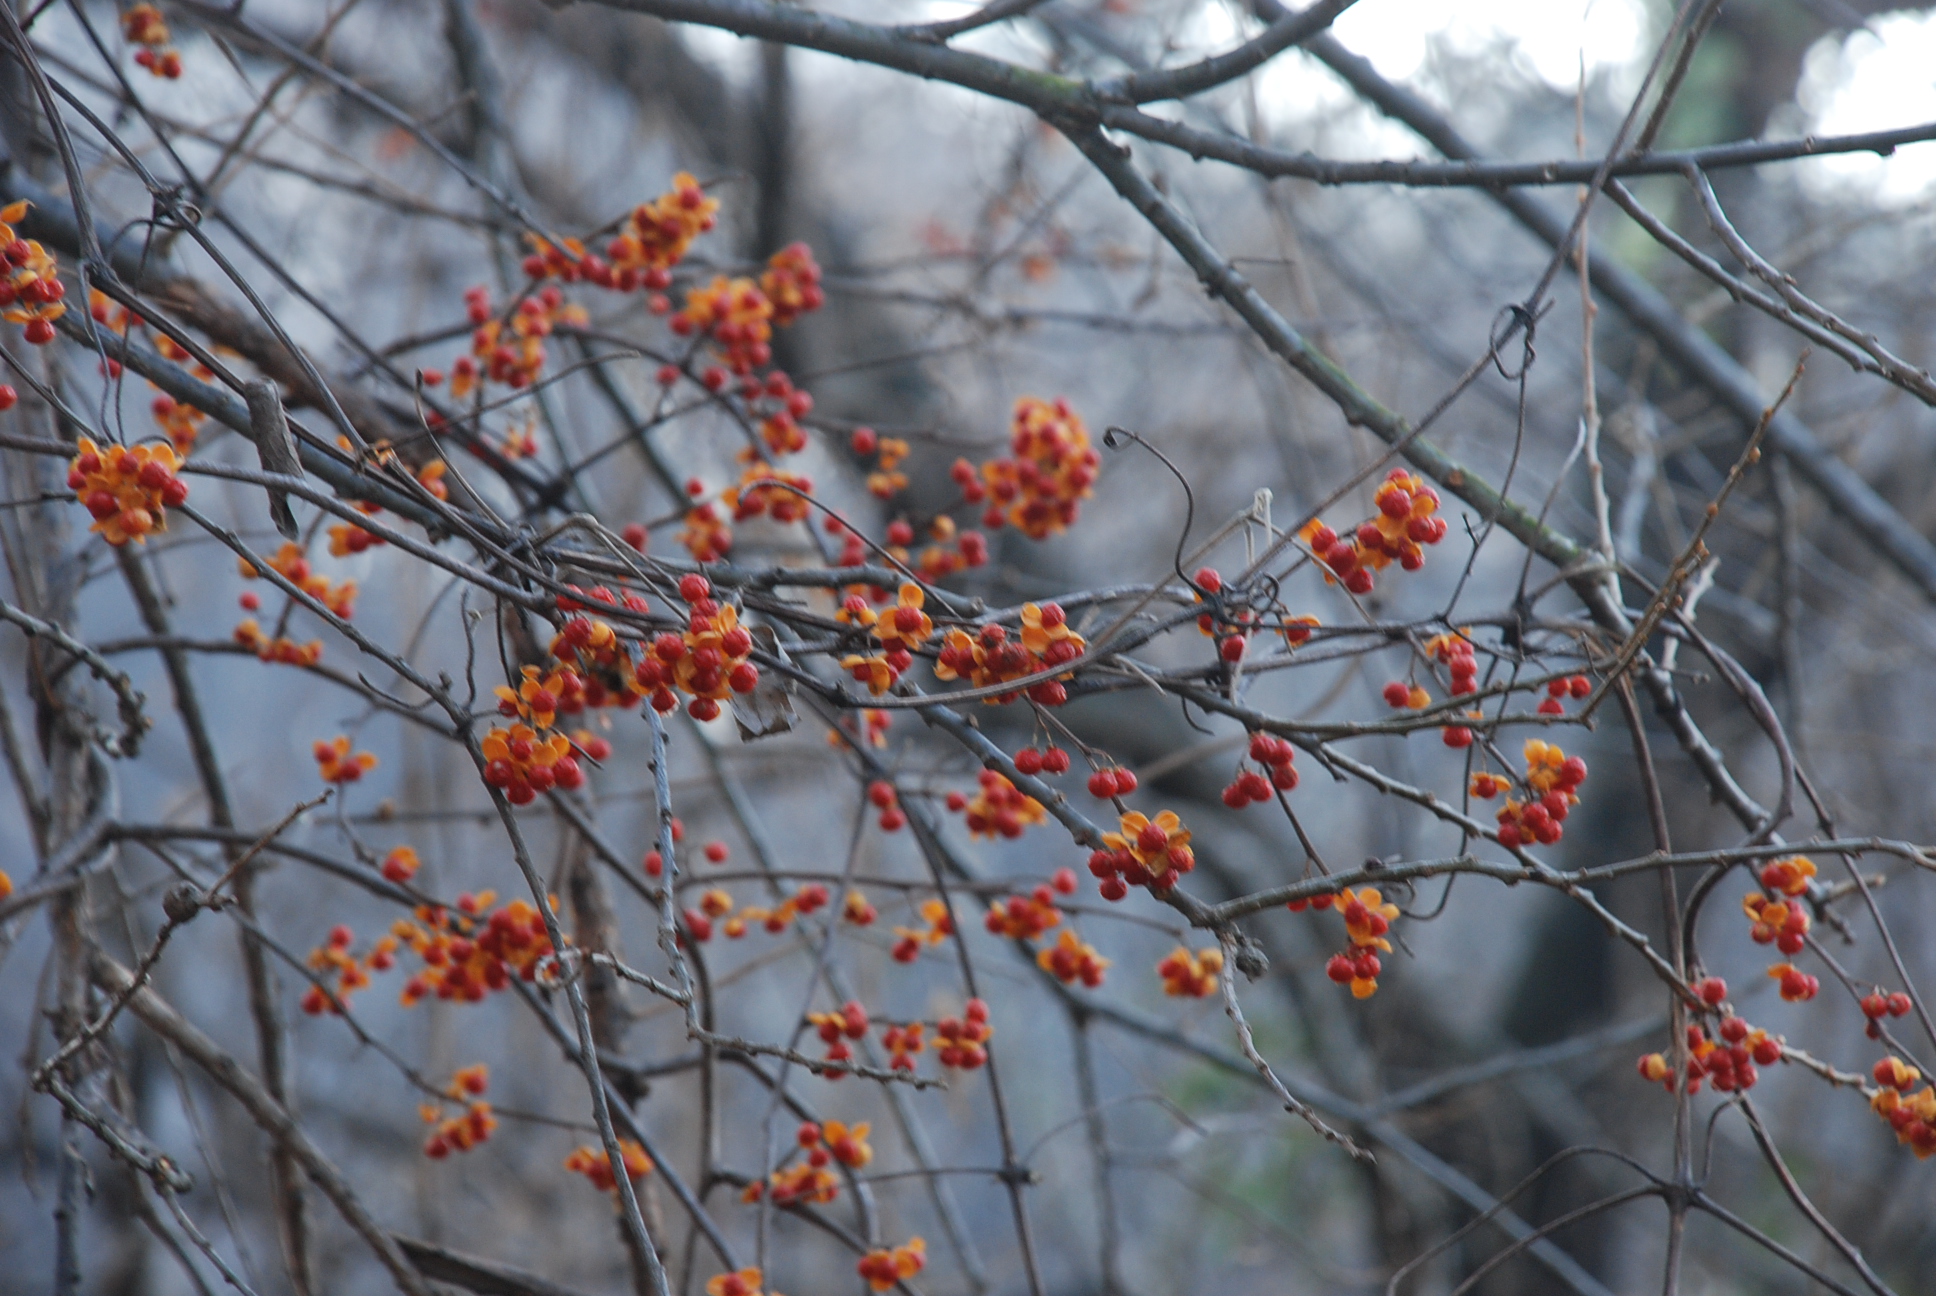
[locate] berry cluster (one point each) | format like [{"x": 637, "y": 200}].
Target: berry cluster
[
  {"x": 806, "y": 900},
  {"x": 991, "y": 657},
  {"x": 465, "y": 1131},
  {"x": 596, "y": 670},
  {"x": 1147, "y": 852},
  {"x": 290, "y": 563},
  {"x": 596, "y": 1165},
  {"x": 900, "y": 630},
  {"x": 1050, "y": 469},
  {"x": 1782, "y": 923},
  {"x": 762, "y": 491},
  {"x": 902, "y": 1043},
  {"x": 1271, "y": 754},
  {"x": 1574, "y": 686},
  {"x": 337, "y": 764},
  {"x": 1454, "y": 651},
  {"x": 836, "y": 1028},
  {"x": 1111, "y": 783},
  {"x": 1367, "y": 917},
  {"x": 1054, "y": 760},
  {"x": 1729, "y": 1062},
  {"x": 1912, "y": 1116},
  {"x": 510, "y": 352},
  {"x": 657, "y": 235},
  {"x": 904, "y": 627},
  {"x": 735, "y": 316},
  {"x": 1876, "y": 1006},
  {"x": 1404, "y": 522},
  {"x": 884, "y": 1268},
  {"x": 30, "y": 291},
  {"x": 809, "y": 1179},
  {"x": 998, "y": 808},
  {"x": 1072, "y": 959},
  {"x": 475, "y": 951},
  {"x": 714, "y": 902},
  {"x": 837, "y": 1141},
  {"x": 1551, "y": 790},
  {"x": 709, "y": 662},
  {"x": 791, "y": 281},
  {"x": 181, "y": 423},
  {"x": 1025, "y": 917},
  {"x": 1796, "y": 986},
  {"x": 910, "y": 941},
  {"x": 126, "y": 490},
  {"x": 961, "y": 1042},
  {"x": 1790, "y": 876},
  {"x": 1191, "y": 976},
  {"x": 938, "y": 562},
  {"x": 334, "y": 958},
  {"x": 795, "y": 1185},
  {"x": 249, "y": 634},
  {"x": 886, "y": 480},
  {"x": 143, "y": 25},
  {"x": 521, "y": 762},
  {"x": 705, "y": 534},
  {"x": 882, "y": 796}
]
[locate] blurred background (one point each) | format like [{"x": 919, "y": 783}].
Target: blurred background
[{"x": 971, "y": 257}]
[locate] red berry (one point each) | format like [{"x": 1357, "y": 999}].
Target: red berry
[
  {"x": 693, "y": 587},
  {"x": 1028, "y": 761},
  {"x": 8, "y": 396},
  {"x": 1209, "y": 580},
  {"x": 1397, "y": 694},
  {"x": 1712, "y": 990},
  {"x": 716, "y": 852},
  {"x": 1102, "y": 784},
  {"x": 1055, "y": 761},
  {"x": 1125, "y": 782}
]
